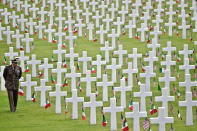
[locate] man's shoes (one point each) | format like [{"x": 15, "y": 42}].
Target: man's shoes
[{"x": 14, "y": 109}]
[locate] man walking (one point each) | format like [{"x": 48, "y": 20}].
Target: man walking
[{"x": 12, "y": 74}]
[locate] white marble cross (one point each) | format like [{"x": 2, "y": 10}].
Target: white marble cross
[
  {"x": 33, "y": 10},
  {"x": 22, "y": 21},
  {"x": 31, "y": 25},
  {"x": 42, "y": 13},
  {"x": 13, "y": 17},
  {"x": 170, "y": 24},
  {"x": 72, "y": 56},
  {"x": 146, "y": 17},
  {"x": 1, "y": 29},
  {"x": 98, "y": 63},
  {"x": 189, "y": 104},
  {"x": 58, "y": 93},
  {"x": 120, "y": 52},
  {"x": 60, "y": 34},
  {"x": 28, "y": 85},
  {"x": 157, "y": 21},
  {"x": 11, "y": 54},
  {"x": 123, "y": 12},
  {"x": 168, "y": 62},
  {"x": 169, "y": 48},
  {"x": 154, "y": 46},
  {"x": 135, "y": 55},
  {"x": 113, "y": 67},
  {"x": 18, "y": 3},
  {"x": 107, "y": 20},
  {"x": 105, "y": 83},
  {"x": 147, "y": 75},
  {"x": 164, "y": 99},
  {"x": 60, "y": 19},
  {"x": 88, "y": 79},
  {"x": 130, "y": 27},
  {"x": 26, "y": 6},
  {"x": 49, "y": 31},
  {"x": 42, "y": 88},
  {"x": 182, "y": 5},
  {"x": 87, "y": 14},
  {"x": 151, "y": 58},
  {"x": 118, "y": 23},
  {"x": 22, "y": 59},
  {"x": 59, "y": 70},
  {"x": 51, "y": 14},
  {"x": 90, "y": 27},
  {"x": 162, "y": 119},
  {"x": 77, "y": 11},
  {"x": 84, "y": 3},
  {"x": 103, "y": 7},
  {"x": 130, "y": 71},
  {"x": 97, "y": 17},
  {"x": 156, "y": 32},
  {"x": 84, "y": 60},
  {"x": 171, "y": 3},
  {"x": 73, "y": 75},
  {"x": 148, "y": 6},
  {"x": 40, "y": 27},
  {"x": 18, "y": 36},
  {"x": 93, "y": 104},
  {"x": 126, "y": 2},
  {"x": 142, "y": 94},
  {"x": 74, "y": 100},
  {"x": 123, "y": 89},
  {"x": 106, "y": 49},
  {"x": 46, "y": 66},
  {"x": 183, "y": 16},
  {"x": 80, "y": 25},
  {"x": 167, "y": 78},
  {"x": 2, "y": 79},
  {"x": 113, "y": 109},
  {"x": 93, "y": 3},
  {"x": 101, "y": 32},
  {"x": 112, "y": 10},
  {"x": 69, "y": 8},
  {"x": 184, "y": 27},
  {"x": 134, "y": 15},
  {"x": 33, "y": 62},
  {"x": 187, "y": 83},
  {"x": 187, "y": 67},
  {"x": 6, "y": 15},
  {"x": 136, "y": 115},
  {"x": 113, "y": 35},
  {"x": 27, "y": 40},
  {"x": 59, "y": 52},
  {"x": 185, "y": 52},
  {"x": 142, "y": 29},
  {"x": 117, "y": 4},
  {"x": 159, "y": 8},
  {"x": 71, "y": 37},
  {"x": 8, "y": 33},
  {"x": 60, "y": 4}
]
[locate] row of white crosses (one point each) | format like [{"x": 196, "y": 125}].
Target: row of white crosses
[
  {"x": 58, "y": 99},
  {"x": 189, "y": 103},
  {"x": 165, "y": 97},
  {"x": 60, "y": 19}
]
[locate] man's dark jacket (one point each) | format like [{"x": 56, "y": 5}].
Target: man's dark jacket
[{"x": 12, "y": 76}]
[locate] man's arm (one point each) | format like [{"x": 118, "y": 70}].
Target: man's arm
[
  {"x": 5, "y": 72},
  {"x": 20, "y": 74}
]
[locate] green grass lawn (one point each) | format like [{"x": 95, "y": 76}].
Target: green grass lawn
[{"x": 30, "y": 116}]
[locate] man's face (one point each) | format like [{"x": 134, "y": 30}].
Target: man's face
[{"x": 14, "y": 64}]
